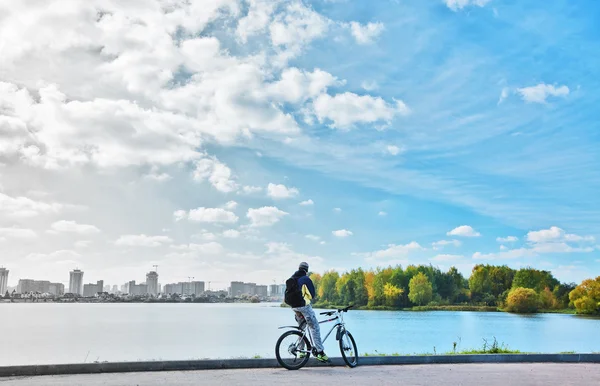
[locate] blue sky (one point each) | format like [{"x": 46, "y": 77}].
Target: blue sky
[{"x": 413, "y": 118}]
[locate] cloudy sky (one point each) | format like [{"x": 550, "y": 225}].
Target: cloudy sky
[{"x": 232, "y": 139}]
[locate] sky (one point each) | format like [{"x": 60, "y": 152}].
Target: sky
[{"x": 232, "y": 139}]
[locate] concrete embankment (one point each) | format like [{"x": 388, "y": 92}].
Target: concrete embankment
[{"x": 215, "y": 364}]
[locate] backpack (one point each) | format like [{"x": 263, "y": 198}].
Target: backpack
[{"x": 293, "y": 294}]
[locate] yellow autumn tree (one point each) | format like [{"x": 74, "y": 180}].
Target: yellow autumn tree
[
  {"x": 586, "y": 297},
  {"x": 392, "y": 294}
]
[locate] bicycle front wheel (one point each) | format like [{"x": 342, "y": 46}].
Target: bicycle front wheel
[
  {"x": 348, "y": 349},
  {"x": 292, "y": 350}
]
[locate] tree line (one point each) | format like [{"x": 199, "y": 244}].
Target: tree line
[{"x": 523, "y": 290}]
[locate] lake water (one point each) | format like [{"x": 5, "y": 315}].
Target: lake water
[{"x": 70, "y": 333}]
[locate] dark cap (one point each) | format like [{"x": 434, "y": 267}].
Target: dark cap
[{"x": 303, "y": 266}]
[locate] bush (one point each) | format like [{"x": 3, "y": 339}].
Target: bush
[{"x": 522, "y": 300}]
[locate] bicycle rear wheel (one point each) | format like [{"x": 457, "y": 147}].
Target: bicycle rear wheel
[
  {"x": 292, "y": 350},
  {"x": 348, "y": 349}
]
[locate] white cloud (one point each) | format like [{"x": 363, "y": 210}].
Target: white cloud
[
  {"x": 24, "y": 207},
  {"x": 212, "y": 248},
  {"x": 382, "y": 213},
  {"x": 443, "y": 243},
  {"x": 63, "y": 255},
  {"x": 179, "y": 215},
  {"x": 73, "y": 227},
  {"x": 217, "y": 173},
  {"x": 365, "y": 34},
  {"x": 313, "y": 237},
  {"x": 447, "y": 258},
  {"x": 539, "y": 93},
  {"x": 212, "y": 215},
  {"x": 82, "y": 243},
  {"x": 508, "y": 254},
  {"x": 265, "y": 216},
  {"x": 17, "y": 233},
  {"x": 251, "y": 189},
  {"x": 347, "y": 109},
  {"x": 342, "y": 233},
  {"x": 393, "y": 149},
  {"x": 395, "y": 251},
  {"x": 307, "y": 203},
  {"x": 142, "y": 241},
  {"x": 555, "y": 234},
  {"x": 509, "y": 239},
  {"x": 503, "y": 247},
  {"x": 503, "y": 95},
  {"x": 465, "y": 231},
  {"x": 231, "y": 234},
  {"x": 257, "y": 19},
  {"x": 337, "y": 210},
  {"x": 369, "y": 85},
  {"x": 231, "y": 205},
  {"x": 456, "y": 5},
  {"x": 155, "y": 175},
  {"x": 297, "y": 86},
  {"x": 279, "y": 191}
]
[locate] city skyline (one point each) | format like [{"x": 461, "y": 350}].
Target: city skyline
[{"x": 234, "y": 141}]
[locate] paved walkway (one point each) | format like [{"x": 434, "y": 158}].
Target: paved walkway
[{"x": 464, "y": 375}]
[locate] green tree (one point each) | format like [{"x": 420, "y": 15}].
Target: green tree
[
  {"x": 327, "y": 287},
  {"x": 522, "y": 300},
  {"x": 586, "y": 297},
  {"x": 420, "y": 289},
  {"x": 548, "y": 300},
  {"x": 534, "y": 279}
]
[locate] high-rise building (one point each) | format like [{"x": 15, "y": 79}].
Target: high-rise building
[
  {"x": 115, "y": 289},
  {"x": 261, "y": 290},
  {"x": 27, "y": 285},
  {"x": 76, "y": 282},
  {"x": 136, "y": 289},
  {"x": 152, "y": 283},
  {"x": 57, "y": 289},
  {"x": 90, "y": 290},
  {"x": 185, "y": 288},
  {"x": 3, "y": 280}
]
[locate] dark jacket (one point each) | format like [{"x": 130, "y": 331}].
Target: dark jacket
[{"x": 306, "y": 286}]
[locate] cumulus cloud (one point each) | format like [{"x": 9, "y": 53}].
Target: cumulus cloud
[
  {"x": 554, "y": 234},
  {"x": 231, "y": 234},
  {"x": 65, "y": 226},
  {"x": 279, "y": 191},
  {"x": 366, "y": 33},
  {"x": 509, "y": 239},
  {"x": 17, "y": 233},
  {"x": 382, "y": 213},
  {"x": 541, "y": 92},
  {"x": 251, "y": 189},
  {"x": 265, "y": 216},
  {"x": 347, "y": 109},
  {"x": 342, "y": 233},
  {"x": 456, "y": 5},
  {"x": 24, "y": 207},
  {"x": 142, "y": 240},
  {"x": 443, "y": 243},
  {"x": 212, "y": 215},
  {"x": 307, "y": 203},
  {"x": 313, "y": 237},
  {"x": 464, "y": 231},
  {"x": 231, "y": 205},
  {"x": 395, "y": 251},
  {"x": 217, "y": 173},
  {"x": 393, "y": 149}
]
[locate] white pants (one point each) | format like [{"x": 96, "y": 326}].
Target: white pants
[{"x": 313, "y": 324}]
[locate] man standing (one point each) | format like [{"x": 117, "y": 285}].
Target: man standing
[{"x": 299, "y": 292}]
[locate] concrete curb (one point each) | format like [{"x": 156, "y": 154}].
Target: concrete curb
[{"x": 214, "y": 364}]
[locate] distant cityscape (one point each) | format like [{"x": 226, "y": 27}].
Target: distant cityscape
[{"x": 151, "y": 288}]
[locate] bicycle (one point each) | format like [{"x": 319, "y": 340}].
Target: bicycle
[{"x": 301, "y": 346}]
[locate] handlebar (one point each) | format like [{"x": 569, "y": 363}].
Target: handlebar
[{"x": 329, "y": 313}]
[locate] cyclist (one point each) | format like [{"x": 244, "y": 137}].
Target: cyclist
[{"x": 304, "y": 313}]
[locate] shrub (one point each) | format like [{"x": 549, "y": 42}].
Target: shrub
[{"x": 522, "y": 300}]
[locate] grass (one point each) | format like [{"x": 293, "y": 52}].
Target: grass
[{"x": 486, "y": 348}]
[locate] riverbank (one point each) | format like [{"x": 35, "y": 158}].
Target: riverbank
[{"x": 471, "y": 308}]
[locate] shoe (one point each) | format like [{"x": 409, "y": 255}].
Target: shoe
[
  {"x": 321, "y": 357},
  {"x": 302, "y": 355}
]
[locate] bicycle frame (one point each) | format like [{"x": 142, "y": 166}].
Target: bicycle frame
[{"x": 339, "y": 326}]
